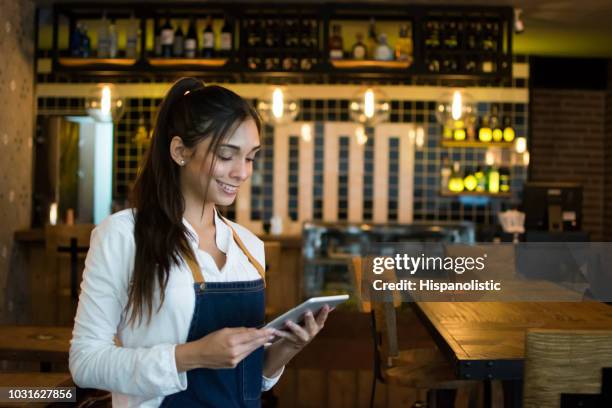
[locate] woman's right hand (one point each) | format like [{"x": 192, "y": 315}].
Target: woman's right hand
[{"x": 223, "y": 348}]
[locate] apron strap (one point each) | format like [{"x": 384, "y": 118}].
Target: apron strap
[
  {"x": 196, "y": 271},
  {"x": 257, "y": 265}
]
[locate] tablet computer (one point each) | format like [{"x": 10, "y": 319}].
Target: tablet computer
[{"x": 314, "y": 304}]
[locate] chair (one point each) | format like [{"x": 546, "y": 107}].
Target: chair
[
  {"x": 66, "y": 246},
  {"x": 422, "y": 368},
  {"x": 563, "y": 362}
]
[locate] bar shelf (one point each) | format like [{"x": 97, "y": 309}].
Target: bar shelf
[
  {"x": 181, "y": 62},
  {"x": 95, "y": 62},
  {"x": 364, "y": 64},
  {"x": 476, "y": 194},
  {"x": 476, "y": 144}
]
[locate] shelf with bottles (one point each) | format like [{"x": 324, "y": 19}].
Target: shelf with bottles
[
  {"x": 280, "y": 38},
  {"x": 472, "y": 41},
  {"x": 376, "y": 50},
  {"x": 203, "y": 38},
  {"x": 85, "y": 38},
  {"x": 481, "y": 180},
  {"x": 489, "y": 130},
  {"x": 287, "y": 38}
]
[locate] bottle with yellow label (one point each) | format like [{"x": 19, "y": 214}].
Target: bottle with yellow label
[
  {"x": 504, "y": 179},
  {"x": 455, "y": 183},
  {"x": 469, "y": 181},
  {"x": 403, "y": 45},
  {"x": 495, "y": 124},
  {"x": 459, "y": 130},
  {"x": 485, "y": 134},
  {"x": 508, "y": 130},
  {"x": 493, "y": 180},
  {"x": 481, "y": 180}
]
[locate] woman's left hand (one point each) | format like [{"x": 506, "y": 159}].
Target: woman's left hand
[{"x": 299, "y": 336}]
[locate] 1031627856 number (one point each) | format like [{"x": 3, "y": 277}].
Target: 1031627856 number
[{"x": 37, "y": 394}]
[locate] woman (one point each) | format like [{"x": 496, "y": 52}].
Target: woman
[{"x": 172, "y": 298}]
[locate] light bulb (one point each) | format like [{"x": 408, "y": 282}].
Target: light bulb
[
  {"x": 456, "y": 108},
  {"x": 368, "y": 108},
  {"x": 277, "y": 103},
  {"x": 105, "y": 102}
]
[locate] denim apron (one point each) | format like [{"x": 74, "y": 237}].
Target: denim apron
[{"x": 219, "y": 305}]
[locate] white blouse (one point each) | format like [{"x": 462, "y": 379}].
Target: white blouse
[{"x": 141, "y": 371}]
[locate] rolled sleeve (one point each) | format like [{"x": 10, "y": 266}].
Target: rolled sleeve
[{"x": 267, "y": 383}]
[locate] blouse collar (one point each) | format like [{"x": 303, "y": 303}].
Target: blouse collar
[{"x": 223, "y": 233}]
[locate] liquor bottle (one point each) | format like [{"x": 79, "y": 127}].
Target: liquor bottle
[
  {"x": 432, "y": 35},
  {"x": 469, "y": 181},
  {"x": 178, "y": 48},
  {"x": 485, "y": 134},
  {"x": 383, "y": 52},
  {"x": 471, "y": 41},
  {"x": 495, "y": 124},
  {"x": 508, "y": 130},
  {"x": 359, "y": 51},
  {"x": 372, "y": 40},
  {"x": 167, "y": 39},
  {"x": 253, "y": 36},
  {"x": 459, "y": 132},
  {"x": 450, "y": 64},
  {"x": 445, "y": 173},
  {"x": 504, "y": 180},
  {"x": 85, "y": 43},
  {"x": 157, "y": 48},
  {"x": 131, "y": 42},
  {"x": 336, "y": 45},
  {"x": 493, "y": 180},
  {"x": 433, "y": 64},
  {"x": 112, "y": 39},
  {"x": 313, "y": 34},
  {"x": 208, "y": 40},
  {"x": 403, "y": 46},
  {"x": 481, "y": 181},
  {"x": 447, "y": 132},
  {"x": 455, "y": 183},
  {"x": 225, "y": 44},
  {"x": 271, "y": 31},
  {"x": 191, "y": 40},
  {"x": 103, "y": 40},
  {"x": 450, "y": 37},
  {"x": 470, "y": 128},
  {"x": 289, "y": 35},
  {"x": 76, "y": 37}
]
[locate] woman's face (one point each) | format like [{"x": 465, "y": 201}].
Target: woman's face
[{"x": 233, "y": 165}]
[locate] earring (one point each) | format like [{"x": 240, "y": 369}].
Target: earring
[{"x": 182, "y": 162}]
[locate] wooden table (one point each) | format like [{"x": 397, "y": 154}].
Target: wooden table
[
  {"x": 44, "y": 344},
  {"x": 486, "y": 340}
]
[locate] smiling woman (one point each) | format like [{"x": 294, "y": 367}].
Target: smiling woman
[{"x": 181, "y": 287}]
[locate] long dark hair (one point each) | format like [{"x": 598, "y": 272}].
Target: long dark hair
[{"x": 193, "y": 112}]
